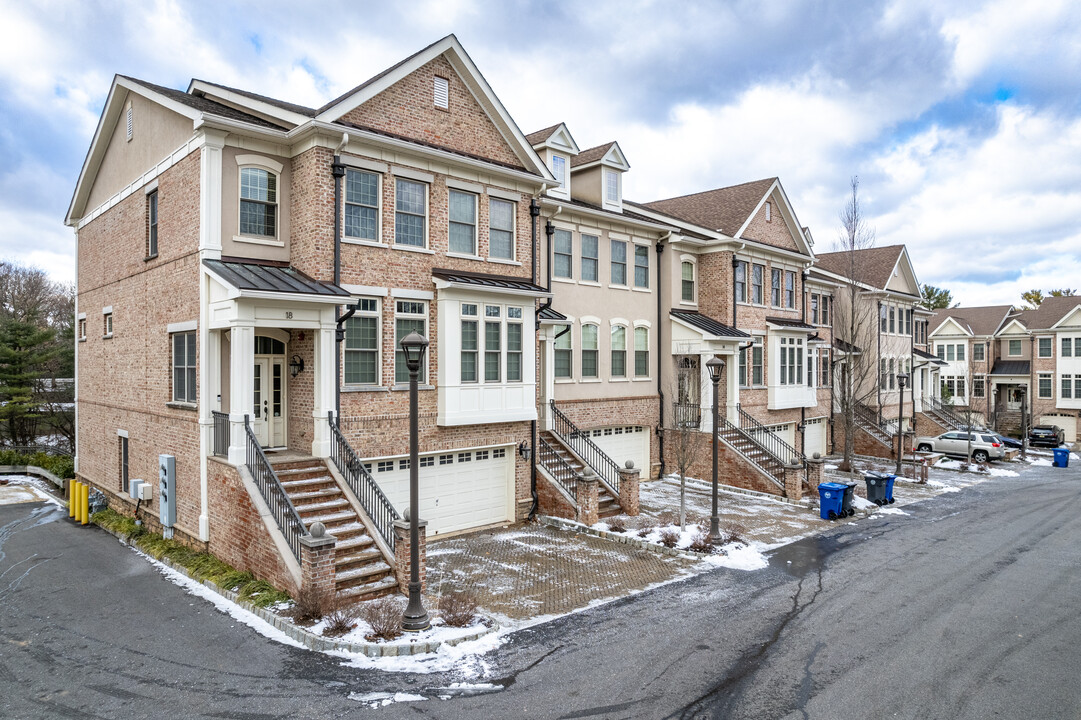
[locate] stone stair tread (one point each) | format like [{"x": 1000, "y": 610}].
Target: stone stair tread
[
  {"x": 306, "y": 482},
  {"x": 361, "y": 556},
  {"x": 363, "y": 571},
  {"x": 322, "y": 506},
  {"x": 379, "y": 585},
  {"x": 313, "y": 494},
  {"x": 331, "y": 517},
  {"x": 355, "y": 541}
]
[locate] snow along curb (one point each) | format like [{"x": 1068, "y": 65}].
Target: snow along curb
[
  {"x": 311, "y": 640},
  {"x": 564, "y": 524}
]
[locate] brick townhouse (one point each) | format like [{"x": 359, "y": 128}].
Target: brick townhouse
[
  {"x": 1002, "y": 361},
  {"x": 240, "y": 253}
]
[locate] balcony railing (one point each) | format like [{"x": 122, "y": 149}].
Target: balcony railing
[
  {"x": 579, "y": 441},
  {"x": 380, "y": 510},
  {"x": 221, "y": 433},
  {"x": 768, "y": 439},
  {"x": 281, "y": 507},
  {"x": 688, "y": 415}
]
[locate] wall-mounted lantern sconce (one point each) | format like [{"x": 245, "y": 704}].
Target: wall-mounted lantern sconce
[{"x": 296, "y": 365}]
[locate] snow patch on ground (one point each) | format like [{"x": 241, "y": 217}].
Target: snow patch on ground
[
  {"x": 738, "y": 557},
  {"x": 382, "y": 699},
  {"x": 438, "y": 632},
  {"x": 463, "y": 657},
  {"x": 891, "y": 511},
  {"x": 23, "y": 488},
  {"x": 862, "y": 503},
  {"x": 941, "y": 486}
]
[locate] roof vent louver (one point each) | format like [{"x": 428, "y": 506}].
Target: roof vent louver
[{"x": 442, "y": 93}]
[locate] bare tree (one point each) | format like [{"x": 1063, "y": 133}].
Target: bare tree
[
  {"x": 686, "y": 440},
  {"x": 855, "y": 323}
]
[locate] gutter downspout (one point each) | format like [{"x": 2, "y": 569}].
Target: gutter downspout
[
  {"x": 660, "y": 359},
  {"x": 338, "y": 171},
  {"x": 803, "y": 409},
  {"x": 534, "y": 213},
  {"x": 878, "y": 320},
  {"x": 833, "y": 365}
]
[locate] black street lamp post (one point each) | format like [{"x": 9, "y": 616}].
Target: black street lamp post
[
  {"x": 902, "y": 378},
  {"x": 715, "y": 366},
  {"x": 415, "y": 618}
]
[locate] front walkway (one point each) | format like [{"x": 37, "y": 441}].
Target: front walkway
[{"x": 530, "y": 571}]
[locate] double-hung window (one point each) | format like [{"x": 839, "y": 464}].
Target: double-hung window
[
  {"x": 825, "y": 309},
  {"x": 687, "y": 279},
  {"x": 1066, "y": 392},
  {"x": 589, "y": 258},
  {"x": 563, "y": 353},
  {"x": 1067, "y": 347},
  {"x": 564, "y": 254},
  {"x": 619, "y": 262},
  {"x": 750, "y": 364},
  {"x": 152, "y": 224},
  {"x": 463, "y": 223},
  {"x": 790, "y": 289},
  {"x": 184, "y": 367},
  {"x": 978, "y": 386},
  {"x": 824, "y": 368},
  {"x": 882, "y": 374},
  {"x": 410, "y": 213},
  {"x": 908, "y": 321},
  {"x": 961, "y": 352},
  {"x": 559, "y": 169},
  {"x": 641, "y": 352},
  {"x": 1045, "y": 344},
  {"x": 409, "y": 316},
  {"x": 361, "y": 205},
  {"x": 977, "y": 352},
  {"x": 892, "y": 327},
  {"x": 791, "y": 361},
  {"x": 500, "y": 229},
  {"x": 514, "y": 344},
  {"x": 361, "y": 351},
  {"x": 1045, "y": 388},
  {"x": 470, "y": 345},
  {"x": 1015, "y": 348},
  {"x": 589, "y": 351},
  {"x": 611, "y": 187},
  {"x": 814, "y": 309},
  {"x": 122, "y": 453},
  {"x": 775, "y": 287},
  {"x": 741, "y": 281},
  {"x": 882, "y": 318},
  {"x": 493, "y": 350},
  {"x": 757, "y": 278},
  {"x": 641, "y": 266},
  {"x": 258, "y": 202},
  {"x": 619, "y": 351},
  {"x": 950, "y": 350}
]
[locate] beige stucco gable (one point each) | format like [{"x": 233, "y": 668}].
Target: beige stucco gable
[
  {"x": 407, "y": 109},
  {"x": 1070, "y": 321},
  {"x": 156, "y": 132},
  {"x": 903, "y": 278}
]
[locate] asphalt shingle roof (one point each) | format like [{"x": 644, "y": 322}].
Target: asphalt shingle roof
[
  {"x": 536, "y": 138},
  {"x": 979, "y": 320},
  {"x": 724, "y": 209},
  {"x": 874, "y": 266},
  {"x": 291, "y": 107},
  {"x": 203, "y": 104},
  {"x": 591, "y": 155},
  {"x": 1050, "y": 311}
]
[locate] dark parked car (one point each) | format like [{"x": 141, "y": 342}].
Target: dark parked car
[
  {"x": 1049, "y": 435},
  {"x": 1009, "y": 442}
]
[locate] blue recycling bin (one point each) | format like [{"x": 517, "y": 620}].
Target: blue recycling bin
[
  {"x": 890, "y": 479},
  {"x": 1062, "y": 457},
  {"x": 831, "y": 498}
]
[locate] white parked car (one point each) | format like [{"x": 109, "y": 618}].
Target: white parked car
[{"x": 985, "y": 446}]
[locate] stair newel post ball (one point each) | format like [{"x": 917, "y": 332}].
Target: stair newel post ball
[
  {"x": 715, "y": 365},
  {"x": 415, "y": 618}
]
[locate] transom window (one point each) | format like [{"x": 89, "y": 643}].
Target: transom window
[
  {"x": 687, "y": 280},
  {"x": 184, "y": 367},
  {"x": 641, "y": 266},
  {"x": 619, "y": 351},
  {"x": 409, "y": 316},
  {"x": 361, "y": 365},
  {"x": 258, "y": 202},
  {"x": 410, "y": 213},
  {"x": 361, "y": 205},
  {"x": 564, "y": 253},
  {"x": 463, "y": 223},
  {"x": 500, "y": 229},
  {"x": 589, "y": 258},
  {"x": 619, "y": 262}
]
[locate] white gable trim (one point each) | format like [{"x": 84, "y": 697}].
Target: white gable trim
[
  {"x": 906, "y": 267},
  {"x": 940, "y": 329},
  {"x": 1014, "y": 327},
  {"x": 248, "y": 104},
  {"x": 474, "y": 81},
  {"x": 1062, "y": 322},
  {"x": 613, "y": 158},
  {"x": 560, "y": 140}
]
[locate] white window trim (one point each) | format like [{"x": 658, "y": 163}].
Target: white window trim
[
  {"x": 608, "y": 175},
  {"x": 475, "y": 255},
  {"x": 694, "y": 279},
  {"x": 378, "y": 315},
  {"x": 628, "y": 338},
  {"x": 173, "y": 399},
  {"x": 427, "y": 380},
  {"x": 513, "y": 260},
  {"x": 271, "y": 166},
  {"x": 633, "y": 374},
  {"x": 426, "y": 248}
]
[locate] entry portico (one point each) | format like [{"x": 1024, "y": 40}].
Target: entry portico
[{"x": 696, "y": 338}]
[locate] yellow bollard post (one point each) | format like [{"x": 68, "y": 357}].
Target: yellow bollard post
[
  {"x": 85, "y": 505},
  {"x": 72, "y": 490}
]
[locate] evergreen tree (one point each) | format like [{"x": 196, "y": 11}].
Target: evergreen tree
[{"x": 25, "y": 352}]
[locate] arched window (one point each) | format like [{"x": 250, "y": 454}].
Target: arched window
[
  {"x": 688, "y": 281},
  {"x": 619, "y": 351},
  {"x": 589, "y": 351},
  {"x": 641, "y": 352}
]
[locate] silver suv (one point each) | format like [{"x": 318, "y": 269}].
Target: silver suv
[{"x": 984, "y": 445}]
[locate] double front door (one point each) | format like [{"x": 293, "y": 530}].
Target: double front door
[{"x": 268, "y": 401}]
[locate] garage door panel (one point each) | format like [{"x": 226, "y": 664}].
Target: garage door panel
[{"x": 626, "y": 444}]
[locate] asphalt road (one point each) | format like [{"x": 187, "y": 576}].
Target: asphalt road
[{"x": 966, "y": 607}]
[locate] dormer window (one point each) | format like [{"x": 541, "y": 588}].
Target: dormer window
[
  {"x": 559, "y": 169},
  {"x": 611, "y": 186}
]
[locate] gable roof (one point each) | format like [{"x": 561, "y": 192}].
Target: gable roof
[
  {"x": 204, "y": 104},
  {"x": 538, "y": 137},
  {"x": 558, "y": 137},
  {"x": 1050, "y": 312},
  {"x": 724, "y": 209},
  {"x": 979, "y": 320},
  {"x": 876, "y": 264},
  {"x": 609, "y": 154}
]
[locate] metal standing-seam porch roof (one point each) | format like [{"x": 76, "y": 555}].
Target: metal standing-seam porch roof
[
  {"x": 271, "y": 277},
  {"x": 1011, "y": 367},
  {"x": 928, "y": 356},
  {"x": 707, "y": 324},
  {"x": 494, "y": 282}
]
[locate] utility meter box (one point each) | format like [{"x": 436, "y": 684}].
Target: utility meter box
[
  {"x": 167, "y": 490},
  {"x": 146, "y": 492},
  {"x": 133, "y": 488}
]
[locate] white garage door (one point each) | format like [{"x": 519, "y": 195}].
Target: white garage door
[
  {"x": 1068, "y": 425},
  {"x": 458, "y": 490},
  {"x": 815, "y": 439},
  {"x": 623, "y": 443}
]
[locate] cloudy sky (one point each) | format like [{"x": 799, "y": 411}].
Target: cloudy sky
[{"x": 961, "y": 119}]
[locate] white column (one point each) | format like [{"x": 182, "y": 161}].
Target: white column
[
  {"x": 705, "y": 393},
  {"x": 732, "y": 363},
  {"x": 549, "y": 377},
  {"x": 241, "y": 386},
  {"x": 209, "y": 363},
  {"x": 324, "y": 388},
  {"x": 210, "y": 194}
]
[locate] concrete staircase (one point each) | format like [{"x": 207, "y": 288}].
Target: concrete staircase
[
  {"x": 570, "y": 469},
  {"x": 361, "y": 570},
  {"x": 753, "y": 451}
]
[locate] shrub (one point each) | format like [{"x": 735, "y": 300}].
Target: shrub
[
  {"x": 644, "y": 532},
  {"x": 458, "y": 608},
  {"x": 669, "y": 537},
  {"x": 384, "y": 616},
  {"x": 341, "y": 619},
  {"x": 616, "y": 525},
  {"x": 309, "y": 606},
  {"x": 733, "y": 533},
  {"x": 700, "y": 543}
]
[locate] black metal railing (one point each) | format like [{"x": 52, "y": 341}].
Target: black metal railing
[
  {"x": 688, "y": 415},
  {"x": 380, "y": 510},
  {"x": 735, "y": 436},
  {"x": 873, "y": 417},
  {"x": 270, "y": 487},
  {"x": 943, "y": 411},
  {"x": 558, "y": 468},
  {"x": 221, "y": 433},
  {"x": 769, "y": 440},
  {"x": 579, "y": 441},
  {"x": 34, "y": 449}
]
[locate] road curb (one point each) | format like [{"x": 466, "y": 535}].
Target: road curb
[
  {"x": 309, "y": 639},
  {"x": 564, "y": 524}
]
